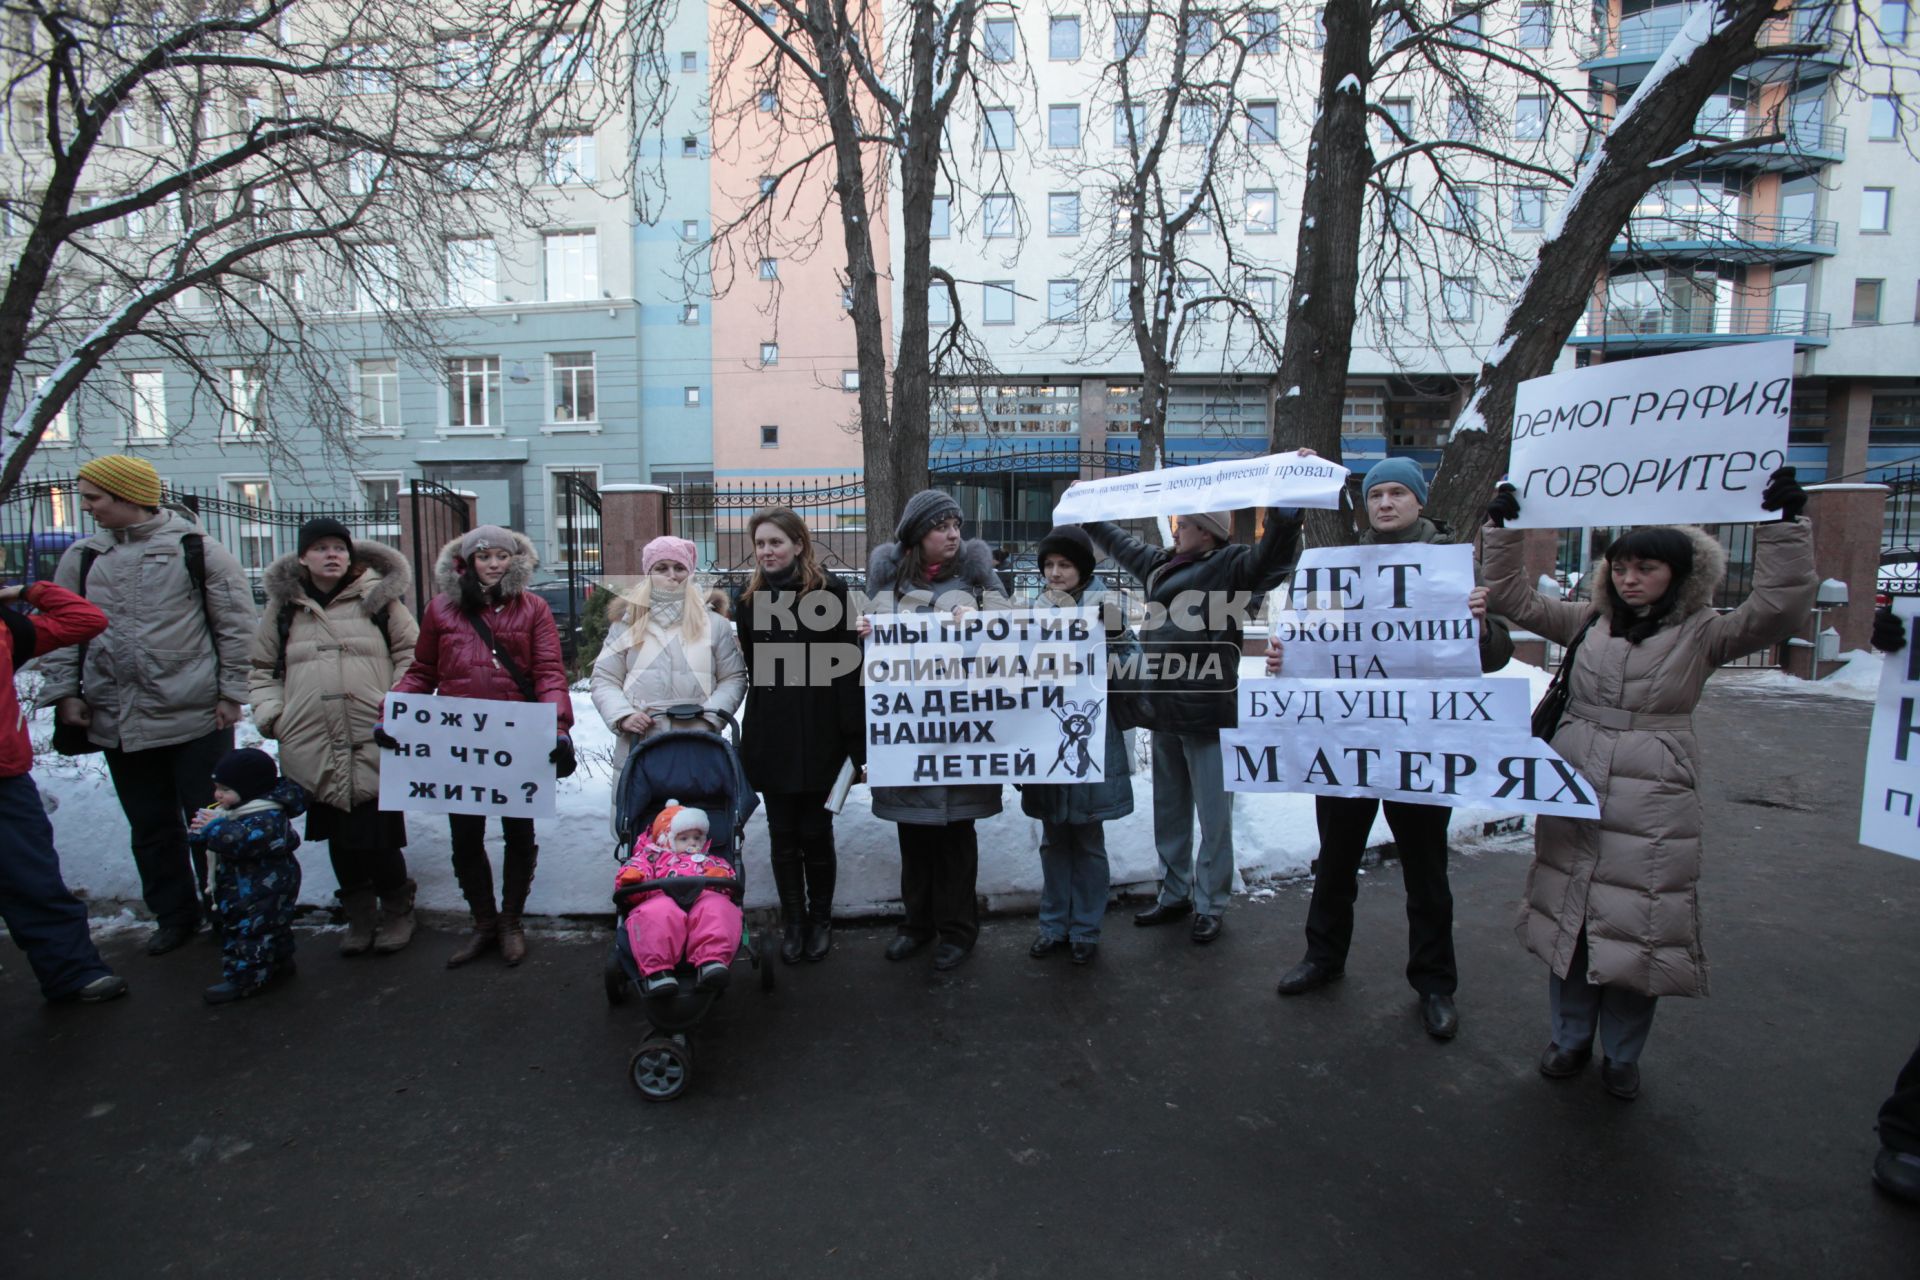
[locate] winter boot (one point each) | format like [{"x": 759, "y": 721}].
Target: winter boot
[
  {"x": 396, "y": 920},
  {"x": 485, "y": 937},
  {"x": 516, "y": 882},
  {"x": 476, "y": 885},
  {"x": 361, "y": 910},
  {"x": 789, "y": 882}
]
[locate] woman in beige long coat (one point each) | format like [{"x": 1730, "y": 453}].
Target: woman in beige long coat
[
  {"x": 1612, "y": 903},
  {"x": 335, "y": 637}
]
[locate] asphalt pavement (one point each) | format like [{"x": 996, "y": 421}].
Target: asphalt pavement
[{"x": 1160, "y": 1112}]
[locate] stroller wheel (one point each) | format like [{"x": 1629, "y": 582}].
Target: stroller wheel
[
  {"x": 619, "y": 986},
  {"x": 662, "y": 1069}
]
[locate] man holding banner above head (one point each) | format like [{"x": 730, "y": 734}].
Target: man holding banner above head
[
  {"x": 1191, "y": 646},
  {"x": 1392, "y": 495},
  {"x": 1612, "y": 903}
]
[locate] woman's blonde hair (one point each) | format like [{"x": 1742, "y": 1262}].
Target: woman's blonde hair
[{"x": 636, "y": 603}]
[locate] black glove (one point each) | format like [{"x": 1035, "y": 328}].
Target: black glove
[
  {"x": 1889, "y": 630},
  {"x": 1784, "y": 494},
  {"x": 1504, "y": 507},
  {"x": 562, "y": 757},
  {"x": 382, "y": 738}
]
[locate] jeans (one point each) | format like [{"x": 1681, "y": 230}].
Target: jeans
[
  {"x": 46, "y": 920},
  {"x": 938, "y": 868},
  {"x": 1188, "y": 775},
  {"x": 1622, "y": 1017},
  {"x": 1420, "y": 835},
  {"x": 159, "y": 791},
  {"x": 1073, "y": 880}
]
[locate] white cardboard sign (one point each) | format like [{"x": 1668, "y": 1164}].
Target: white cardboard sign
[
  {"x": 1390, "y": 611},
  {"x": 468, "y": 755},
  {"x": 1014, "y": 695},
  {"x": 1275, "y": 480},
  {"x": 1687, "y": 438},
  {"x": 1890, "y": 805}
]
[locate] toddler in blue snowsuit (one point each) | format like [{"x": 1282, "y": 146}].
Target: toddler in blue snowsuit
[{"x": 256, "y": 883}]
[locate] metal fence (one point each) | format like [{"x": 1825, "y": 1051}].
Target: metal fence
[{"x": 1900, "y": 533}]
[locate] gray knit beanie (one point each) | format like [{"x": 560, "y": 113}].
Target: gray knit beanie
[
  {"x": 487, "y": 535},
  {"x": 924, "y": 510}
]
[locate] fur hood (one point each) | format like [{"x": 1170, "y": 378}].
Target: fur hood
[
  {"x": 448, "y": 566},
  {"x": 972, "y": 568},
  {"x": 1696, "y": 593},
  {"x": 282, "y": 578}
]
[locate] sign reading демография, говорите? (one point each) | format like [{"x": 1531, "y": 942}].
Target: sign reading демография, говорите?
[{"x": 1688, "y": 438}]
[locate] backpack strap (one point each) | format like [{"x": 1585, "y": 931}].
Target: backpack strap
[
  {"x": 194, "y": 547},
  {"x": 87, "y": 556},
  {"x": 283, "y": 627}
]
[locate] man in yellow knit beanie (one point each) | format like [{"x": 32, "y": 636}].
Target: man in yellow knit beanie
[{"x": 161, "y": 690}]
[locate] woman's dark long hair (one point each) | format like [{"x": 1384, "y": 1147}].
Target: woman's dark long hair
[
  {"x": 475, "y": 598},
  {"x": 1670, "y": 547}
]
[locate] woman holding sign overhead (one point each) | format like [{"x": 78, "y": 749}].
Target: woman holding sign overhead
[
  {"x": 1393, "y": 495},
  {"x": 1612, "y": 904},
  {"x": 930, "y": 568},
  {"x": 486, "y": 636}
]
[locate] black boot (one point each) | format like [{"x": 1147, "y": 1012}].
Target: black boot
[
  {"x": 789, "y": 881},
  {"x": 793, "y": 943},
  {"x": 822, "y": 868}
]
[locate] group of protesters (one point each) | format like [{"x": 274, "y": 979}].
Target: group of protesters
[{"x": 149, "y": 647}]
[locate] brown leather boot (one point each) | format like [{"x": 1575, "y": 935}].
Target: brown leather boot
[
  {"x": 513, "y": 939},
  {"x": 395, "y": 929},
  {"x": 485, "y": 937},
  {"x": 516, "y": 881},
  {"x": 361, "y": 910}
]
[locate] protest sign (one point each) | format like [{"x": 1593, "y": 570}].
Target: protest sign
[
  {"x": 468, "y": 755},
  {"x": 1276, "y": 480},
  {"x": 1441, "y": 742},
  {"x": 1659, "y": 440},
  {"x": 1890, "y": 807},
  {"x": 1394, "y": 611},
  {"x": 1002, "y": 696}
]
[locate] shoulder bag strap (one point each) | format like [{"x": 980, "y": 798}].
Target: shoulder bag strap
[{"x": 507, "y": 664}]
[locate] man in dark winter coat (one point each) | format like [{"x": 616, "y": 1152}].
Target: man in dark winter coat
[{"x": 1195, "y": 594}]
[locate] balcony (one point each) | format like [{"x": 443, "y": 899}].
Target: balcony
[
  {"x": 1666, "y": 328},
  {"x": 1779, "y": 146},
  {"x": 1725, "y": 237},
  {"x": 1633, "y": 47}
]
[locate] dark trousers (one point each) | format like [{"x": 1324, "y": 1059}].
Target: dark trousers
[
  {"x": 384, "y": 870},
  {"x": 159, "y": 791},
  {"x": 938, "y": 867},
  {"x": 471, "y": 869},
  {"x": 804, "y": 863},
  {"x": 254, "y": 902},
  {"x": 1420, "y": 834},
  {"x": 46, "y": 920},
  {"x": 1900, "y": 1114}
]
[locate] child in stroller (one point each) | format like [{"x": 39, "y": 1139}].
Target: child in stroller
[{"x": 683, "y": 900}]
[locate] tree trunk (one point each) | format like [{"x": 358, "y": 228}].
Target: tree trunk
[{"x": 1312, "y": 379}]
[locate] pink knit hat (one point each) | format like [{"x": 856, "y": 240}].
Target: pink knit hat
[{"x": 668, "y": 547}]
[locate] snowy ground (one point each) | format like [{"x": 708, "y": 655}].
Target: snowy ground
[{"x": 1273, "y": 834}]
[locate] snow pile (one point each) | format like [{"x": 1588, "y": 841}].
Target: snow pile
[
  {"x": 1274, "y": 836},
  {"x": 1858, "y": 677}
]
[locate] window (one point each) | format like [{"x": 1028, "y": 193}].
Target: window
[
  {"x": 466, "y": 168},
  {"x": 254, "y": 545},
  {"x": 365, "y": 71},
  {"x": 997, "y": 216},
  {"x": 1199, "y": 35},
  {"x": 381, "y": 493},
  {"x": 1536, "y": 26},
  {"x": 1132, "y": 117},
  {"x": 1202, "y": 224},
  {"x": 1264, "y": 293},
  {"x": 464, "y": 60},
  {"x": 846, "y": 297},
  {"x": 1463, "y": 210},
  {"x": 769, "y": 353},
  {"x": 849, "y": 379},
  {"x": 473, "y": 393},
  {"x": 1063, "y": 213},
  {"x": 997, "y": 302},
  {"x": 999, "y": 42},
  {"x": 1063, "y": 125},
  {"x": 1529, "y": 208},
  {"x": 1866, "y": 301},
  {"x": 60, "y": 429},
  {"x": 689, "y": 61},
  {"x": 1063, "y": 39},
  {"x": 939, "y": 304},
  {"x": 1456, "y": 299},
  {"x": 571, "y": 158},
  {"x": 363, "y": 170},
  {"x": 941, "y": 225},
  {"x": 147, "y": 419},
  {"x": 1394, "y": 29},
  {"x": 1263, "y": 212},
  {"x": 472, "y": 272},
  {"x": 769, "y": 437},
  {"x": 997, "y": 129},
  {"x": 767, "y": 184},
  {"x": 1393, "y": 297},
  {"x": 1129, "y": 34},
  {"x": 1263, "y": 123},
  {"x": 1875, "y": 204},
  {"x": 1466, "y": 29},
  {"x": 243, "y": 404},
  {"x": 769, "y": 269},
  {"x": 380, "y": 395},
  {"x": 573, "y": 266},
  {"x": 690, "y": 314},
  {"x": 1263, "y": 31},
  {"x": 1196, "y": 124},
  {"x": 1530, "y": 116},
  {"x": 690, "y": 229},
  {"x": 769, "y": 102},
  {"x": 690, "y": 147},
  {"x": 1883, "y": 119},
  {"x": 572, "y": 386},
  {"x": 1400, "y": 112},
  {"x": 568, "y": 56},
  {"x": 1463, "y": 120},
  {"x": 690, "y": 397},
  {"x": 1117, "y": 300},
  {"x": 1063, "y": 300},
  {"x": 1893, "y": 23},
  {"x": 376, "y": 269}
]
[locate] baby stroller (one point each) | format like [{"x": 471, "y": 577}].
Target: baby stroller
[{"x": 703, "y": 770}]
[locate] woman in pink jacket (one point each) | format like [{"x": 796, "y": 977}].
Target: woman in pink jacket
[{"x": 484, "y": 636}]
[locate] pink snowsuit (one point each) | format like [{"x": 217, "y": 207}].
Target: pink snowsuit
[{"x": 658, "y": 931}]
